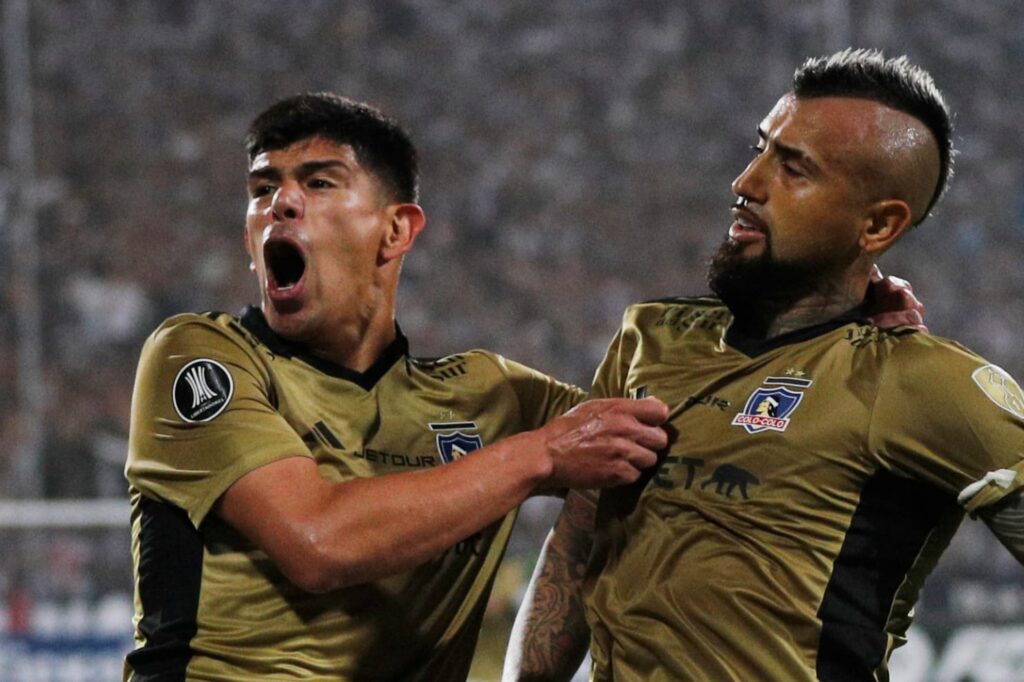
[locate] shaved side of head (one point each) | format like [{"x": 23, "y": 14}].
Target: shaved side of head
[
  {"x": 915, "y": 151},
  {"x": 903, "y": 163}
]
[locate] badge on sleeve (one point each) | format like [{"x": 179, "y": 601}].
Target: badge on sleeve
[
  {"x": 1000, "y": 388},
  {"x": 202, "y": 389}
]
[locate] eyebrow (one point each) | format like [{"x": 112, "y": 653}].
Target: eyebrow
[
  {"x": 303, "y": 170},
  {"x": 789, "y": 153}
]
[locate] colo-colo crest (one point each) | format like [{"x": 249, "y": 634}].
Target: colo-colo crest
[
  {"x": 453, "y": 442},
  {"x": 769, "y": 407}
]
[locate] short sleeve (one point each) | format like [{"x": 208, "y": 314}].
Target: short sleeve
[
  {"x": 541, "y": 397},
  {"x": 610, "y": 377},
  {"x": 202, "y": 416},
  {"x": 946, "y": 415}
]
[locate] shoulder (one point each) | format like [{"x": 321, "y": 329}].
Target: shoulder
[
  {"x": 912, "y": 349},
  {"x": 189, "y": 329},
  {"x": 213, "y": 339},
  {"x": 677, "y": 314},
  {"x": 939, "y": 365},
  {"x": 476, "y": 362},
  {"x": 192, "y": 362}
]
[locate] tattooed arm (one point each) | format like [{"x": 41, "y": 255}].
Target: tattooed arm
[
  {"x": 550, "y": 636},
  {"x": 1006, "y": 519}
]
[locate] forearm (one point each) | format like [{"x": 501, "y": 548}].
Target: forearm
[
  {"x": 1006, "y": 520},
  {"x": 325, "y": 535},
  {"x": 550, "y": 636},
  {"x": 374, "y": 527}
]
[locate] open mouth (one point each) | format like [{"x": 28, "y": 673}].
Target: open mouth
[
  {"x": 747, "y": 226},
  {"x": 285, "y": 263}
]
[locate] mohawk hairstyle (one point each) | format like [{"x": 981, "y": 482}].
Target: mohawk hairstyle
[
  {"x": 895, "y": 83},
  {"x": 380, "y": 143}
]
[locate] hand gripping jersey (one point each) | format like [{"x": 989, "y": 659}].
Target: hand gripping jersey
[
  {"x": 811, "y": 484},
  {"x": 217, "y": 397}
]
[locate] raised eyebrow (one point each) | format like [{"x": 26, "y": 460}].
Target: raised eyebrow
[
  {"x": 304, "y": 170},
  {"x": 311, "y": 167},
  {"x": 265, "y": 173},
  {"x": 787, "y": 152}
]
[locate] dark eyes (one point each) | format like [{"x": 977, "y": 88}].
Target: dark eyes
[
  {"x": 787, "y": 167},
  {"x": 261, "y": 190},
  {"x": 266, "y": 189}
]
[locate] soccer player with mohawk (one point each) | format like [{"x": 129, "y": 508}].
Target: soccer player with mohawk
[{"x": 819, "y": 465}]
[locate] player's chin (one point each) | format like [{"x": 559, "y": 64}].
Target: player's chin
[{"x": 287, "y": 318}]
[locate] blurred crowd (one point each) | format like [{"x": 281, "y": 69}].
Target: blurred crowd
[{"x": 576, "y": 157}]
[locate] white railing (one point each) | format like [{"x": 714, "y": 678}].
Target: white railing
[{"x": 98, "y": 513}]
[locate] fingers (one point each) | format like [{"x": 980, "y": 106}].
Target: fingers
[
  {"x": 898, "y": 283},
  {"x": 648, "y": 410},
  {"x": 607, "y": 442},
  {"x": 915, "y": 318},
  {"x": 639, "y": 457},
  {"x": 893, "y": 303},
  {"x": 907, "y": 300},
  {"x": 637, "y": 420},
  {"x": 904, "y": 318}
]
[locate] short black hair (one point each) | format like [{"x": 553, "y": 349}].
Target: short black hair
[
  {"x": 381, "y": 145},
  {"x": 896, "y": 83}
]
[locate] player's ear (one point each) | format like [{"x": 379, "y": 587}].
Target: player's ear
[
  {"x": 405, "y": 222},
  {"x": 885, "y": 223}
]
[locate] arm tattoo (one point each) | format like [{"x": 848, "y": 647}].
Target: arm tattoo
[{"x": 554, "y": 637}]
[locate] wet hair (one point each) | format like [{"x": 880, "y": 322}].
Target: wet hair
[
  {"x": 380, "y": 144},
  {"x": 896, "y": 83}
]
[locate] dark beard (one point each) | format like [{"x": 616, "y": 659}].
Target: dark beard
[{"x": 757, "y": 290}]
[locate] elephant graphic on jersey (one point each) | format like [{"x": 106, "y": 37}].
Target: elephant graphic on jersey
[{"x": 727, "y": 477}]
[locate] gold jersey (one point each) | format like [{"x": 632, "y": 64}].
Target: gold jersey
[
  {"x": 217, "y": 397},
  {"x": 811, "y": 483}
]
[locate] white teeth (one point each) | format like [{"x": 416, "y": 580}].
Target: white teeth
[{"x": 745, "y": 224}]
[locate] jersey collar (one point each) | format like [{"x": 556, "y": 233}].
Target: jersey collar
[
  {"x": 752, "y": 346},
  {"x": 253, "y": 320}
]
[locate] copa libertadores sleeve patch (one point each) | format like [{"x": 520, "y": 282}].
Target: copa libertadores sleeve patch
[
  {"x": 202, "y": 389},
  {"x": 1000, "y": 388}
]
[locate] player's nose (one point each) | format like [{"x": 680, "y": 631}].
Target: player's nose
[
  {"x": 750, "y": 183},
  {"x": 287, "y": 203}
]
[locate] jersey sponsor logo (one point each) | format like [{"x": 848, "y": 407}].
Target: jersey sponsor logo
[
  {"x": 452, "y": 442},
  {"x": 394, "y": 459},
  {"x": 728, "y": 477},
  {"x": 724, "y": 480},
  {"x": 1000, "y": 388},
  {"x": 201, "y": 391},
  {"x": 769, "y": 407}
]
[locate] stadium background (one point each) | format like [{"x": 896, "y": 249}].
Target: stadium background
[{"x": 576, "y": 157}]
